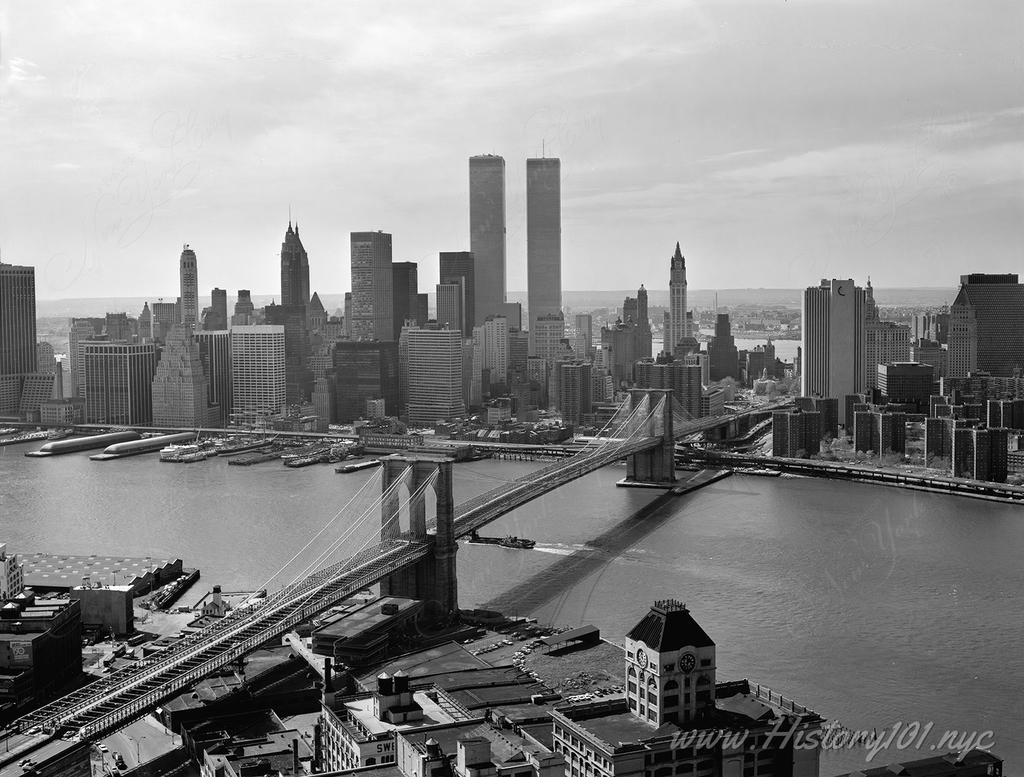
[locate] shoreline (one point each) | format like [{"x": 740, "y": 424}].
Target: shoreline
[{"x": 936, "y": 484}]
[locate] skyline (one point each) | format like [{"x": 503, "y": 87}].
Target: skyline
[{"x": 784, "y": 142}]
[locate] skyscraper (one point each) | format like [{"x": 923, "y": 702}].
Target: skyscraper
[
  {"x": 243, "y": 309},
  {"x": 404, "y": 289},
  {"x": 362, "y": 371},
  {"x": 460, "y": 266},
  {"x": 119, "y": 382},
  {"x": 372, "y": 303},
  {"x": 215, "y": 354},
  {"x": 451, "y": 305},
  {"x": 294, "y": 269},
  {"x": 487, "y": 233},
  {"x": 298, "y": 377},
  {"x": 180, "y": 387},
  {"x": 217, "y": 319},
  {"x": 722, "y": 353},
  {"x": 833, "y": 318},
  {"x": 189, "y": 278},
  {"x": 543, "y": 240},
  {"x": 986, "y": 326},
  {"x": 17, "y": 319},
  {"x": 18, "y": 356},
  {"x": 435, "y": 382},
  {"x": 677, "y": 302},
  {"x": 575, "y": 396},
  {"x": 257, "y": 372}
]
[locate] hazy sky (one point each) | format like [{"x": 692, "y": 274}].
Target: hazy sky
[{"x": 779, "y": 142}]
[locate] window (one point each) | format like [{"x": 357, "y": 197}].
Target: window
[
  {"x": 672, "y": 701},
  {"x": 671, "y": 685},
  {"x": 632, "y": 704},
  {"x": 632, "y": 687}
]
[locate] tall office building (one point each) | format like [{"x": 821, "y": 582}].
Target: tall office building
[
  {"x": 145, "y": 322},
  {"x": 986, "y": 326},
  {"x": 372, "y": 302},
  {"x": 884, "y": 341},
  {"x": 833, "y": 319},
  {"x": 298, "y": 377},
  {"x": 575, "y": 391},
  {"x": 365, "y": 370},
  {"x": 487, "y": 233},
  {"x": 668, "y": 372},
  {"x": 404, "y": 290},
  {"x": 583, "y": 343},
  {"x": 435, "y": 382},
  {"x": 119, "y": 382},
  {"x": 180, "y": 387},
  {"x": 217, "y": 318},
  {"x": 460, "y": 266},
  {"x": 722, "y": 353},
  {"x": 451, "y": 305},
  {"x": 82, "y": 330},
  {"x": 18, "y": 356},
  {"x": 118, "y": 327},
  {"x": 494, "y": 333},
  {"x": 543, "y": 240},
  {"x": 258, "y": 384},
  {"x": 165, "y": 316},
  {"x": 294, "y": 269},
  {"x": 215, "y": 355},
  {"x": 244, "y": 309},
  {"x": 17, "y": 319},
  {"x": 546, "y": 335},
  {"x": 676, "y": 302},
  {"x": 188, "y": 275}
]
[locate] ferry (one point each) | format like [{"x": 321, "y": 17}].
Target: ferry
[
  {"x": 182, "y": 454},
  {"x": 518, "y": 543}
]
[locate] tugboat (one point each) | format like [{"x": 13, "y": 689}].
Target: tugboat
[{"x": 518, "y": 543}]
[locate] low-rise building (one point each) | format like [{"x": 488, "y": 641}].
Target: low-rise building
[{"x": 671, "y": 696}]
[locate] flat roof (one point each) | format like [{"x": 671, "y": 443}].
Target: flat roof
[
  {"x": 54, "y": 570},
  {"x": 449, "y": 658},
  {"x": 505, "y": 745},
  {"x": 362, "y": 710},
  {"x": 619, "y": 728},
  {"x": 352, "y": 624},
  {"x": 580, "y": 632}
]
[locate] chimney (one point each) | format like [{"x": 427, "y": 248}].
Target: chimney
[
  {"x": 295, "y": 756},
  {"x": 328, "y": 676}
]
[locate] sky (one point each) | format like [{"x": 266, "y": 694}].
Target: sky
[{"x": 779, "y": 141}]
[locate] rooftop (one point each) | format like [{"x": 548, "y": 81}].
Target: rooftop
[
  {"x": 669, "y": 626},
  {"x": 361, "y": 710},
  {"x": 54, "y": 570}
]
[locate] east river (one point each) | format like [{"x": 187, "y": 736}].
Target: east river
[{"x": 869, "y": 604}]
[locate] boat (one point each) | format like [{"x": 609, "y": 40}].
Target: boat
[
  {"x": 358, "y": 466},
  {"x": 182, "y": 454},
  {"x": 518, "y": 543},
  {"x": 58, "y": 434}
]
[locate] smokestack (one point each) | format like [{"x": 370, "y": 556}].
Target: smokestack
[{"x": 328, "y": 676}]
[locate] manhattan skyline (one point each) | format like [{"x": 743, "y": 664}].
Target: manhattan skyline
[{"x": 781, "y": 142}]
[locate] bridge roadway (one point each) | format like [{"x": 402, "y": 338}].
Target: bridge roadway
[{"x": 113, "y": 701}]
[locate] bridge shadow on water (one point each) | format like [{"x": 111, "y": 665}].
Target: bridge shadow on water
[{"x": 554, "y": 581}]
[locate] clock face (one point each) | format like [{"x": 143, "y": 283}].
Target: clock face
[
  {"x": 687, "y": 661},
  {"x": 641, "y": 658}
]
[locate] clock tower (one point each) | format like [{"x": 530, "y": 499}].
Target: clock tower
[{"x": 670, "y": 666}]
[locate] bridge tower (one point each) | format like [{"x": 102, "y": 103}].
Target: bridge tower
[
  {"x": 433, "y": 579},
  {"x": 657, "y": 465}
]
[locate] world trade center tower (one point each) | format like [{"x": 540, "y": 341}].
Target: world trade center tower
[
  {"x": 487, "y": 233},
  {"x": 543, "y": 239}
]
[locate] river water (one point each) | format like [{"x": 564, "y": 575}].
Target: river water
[{"x": 866, "y": 603}]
